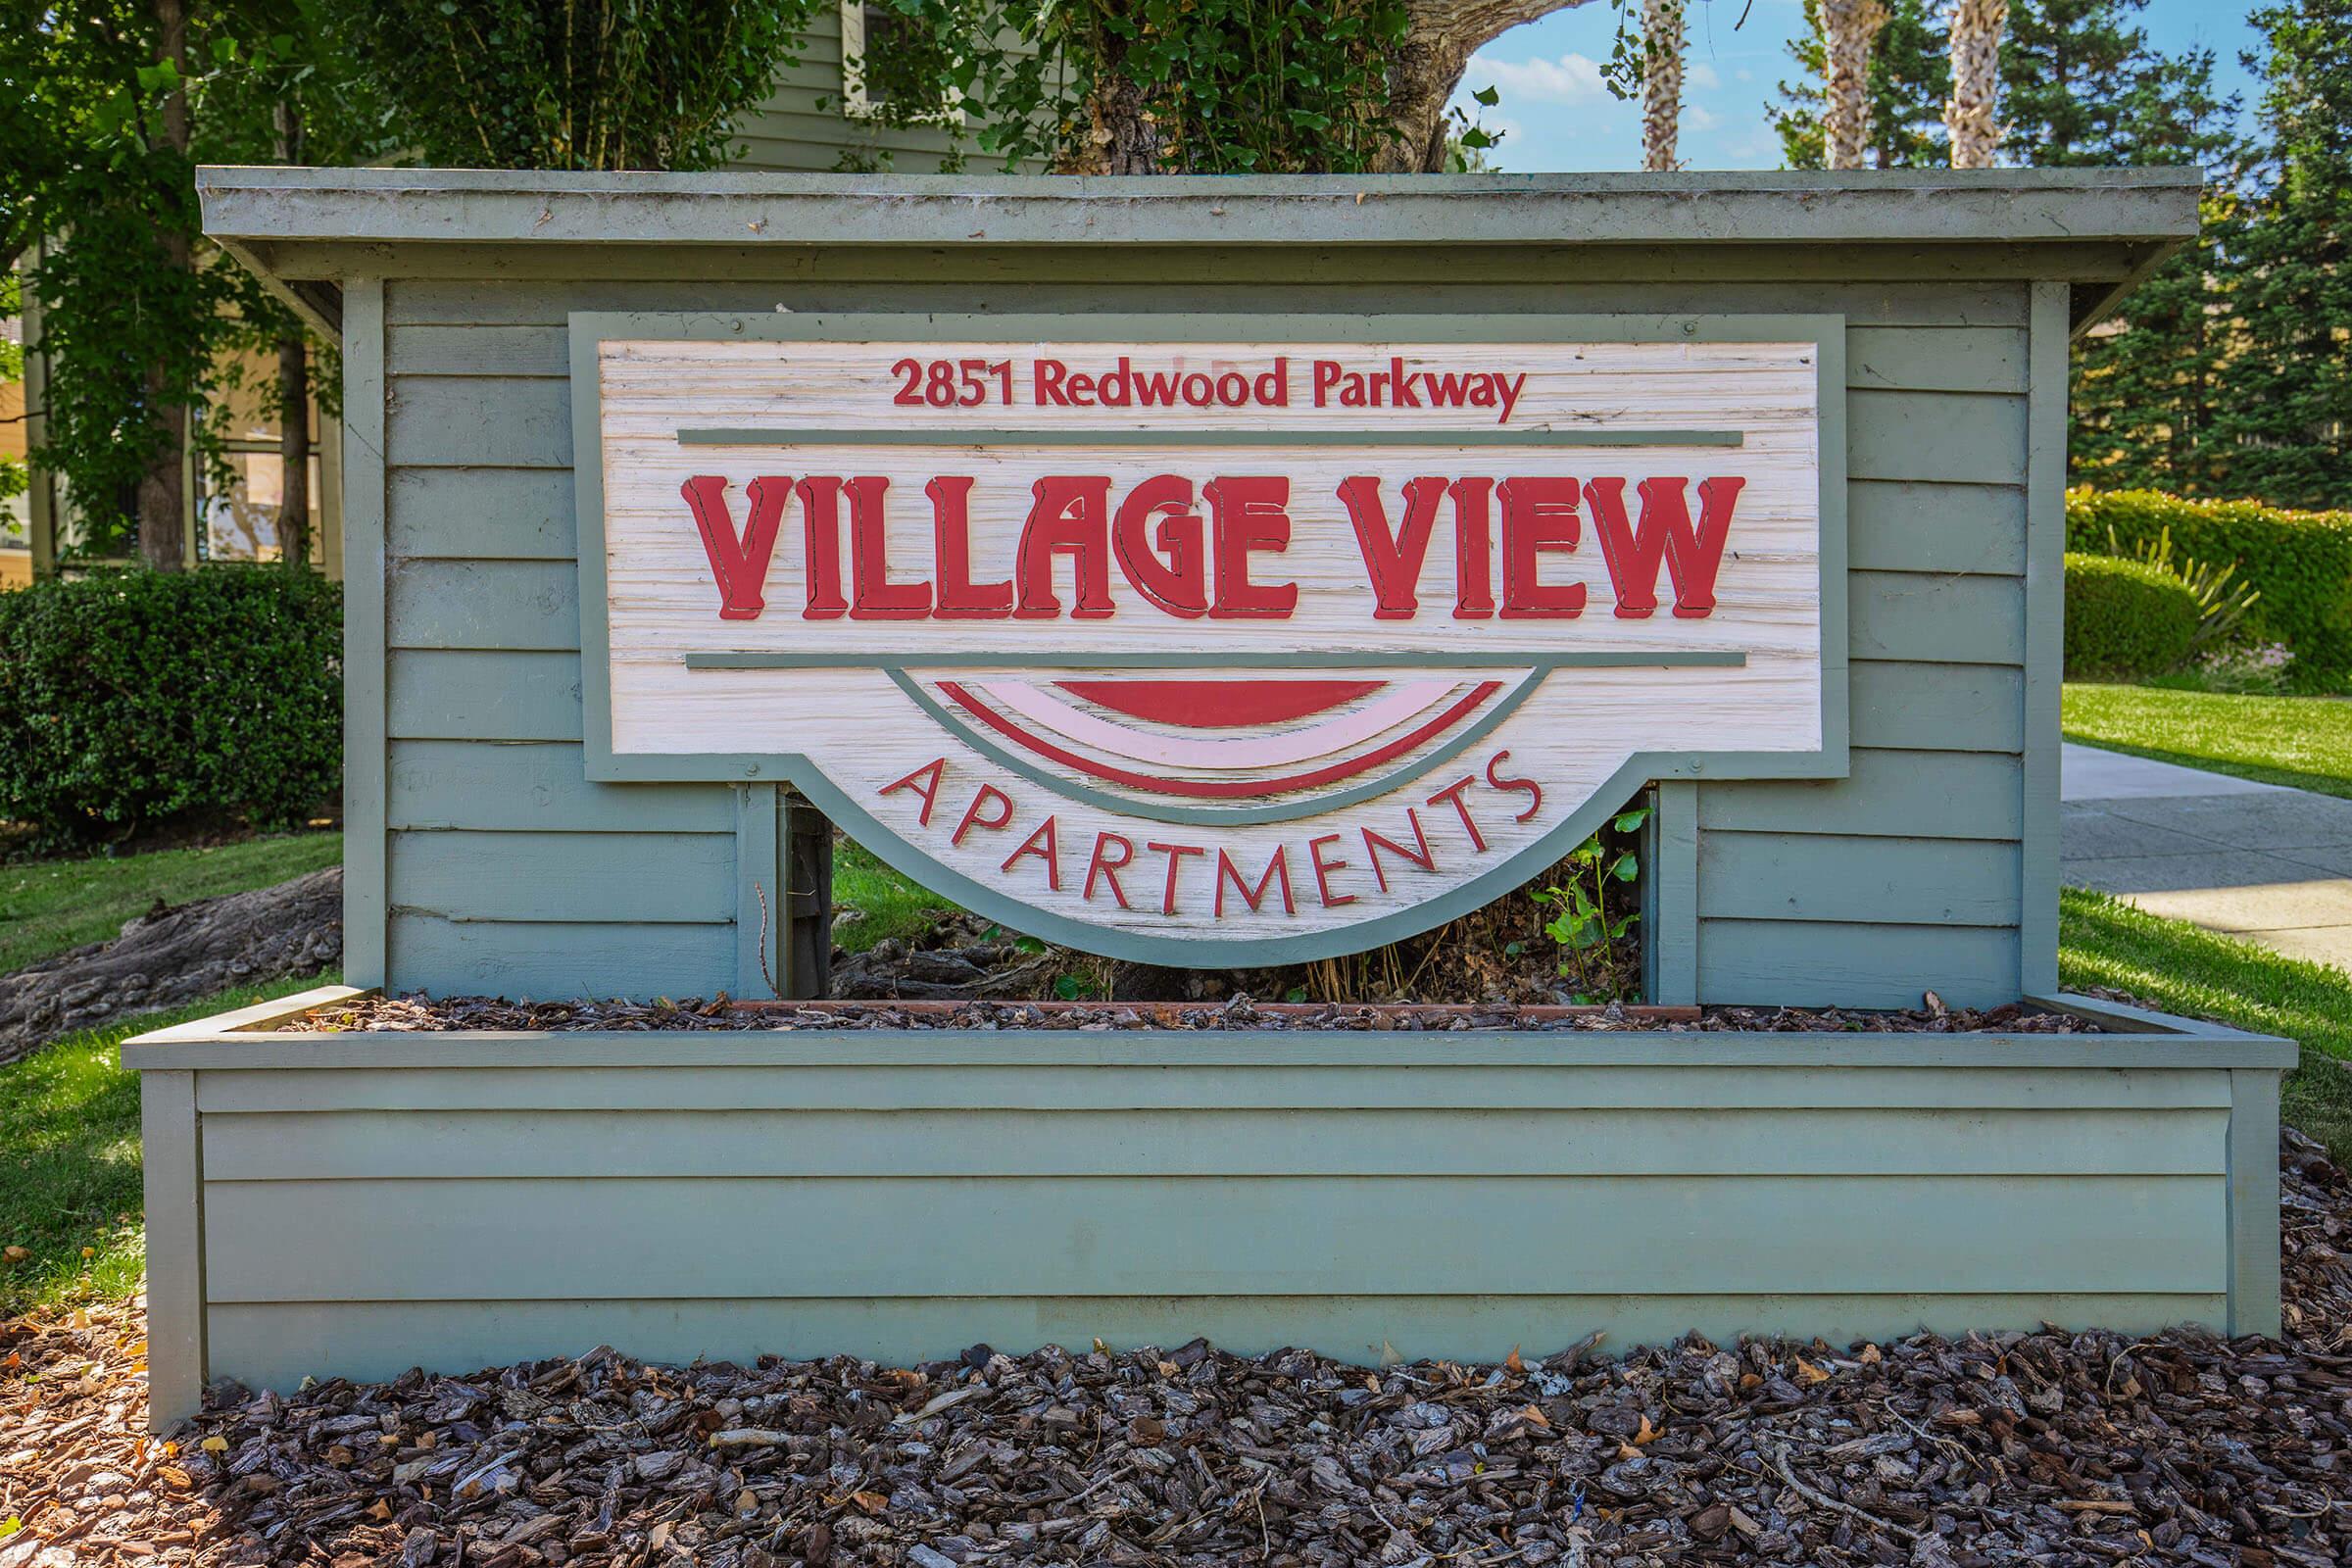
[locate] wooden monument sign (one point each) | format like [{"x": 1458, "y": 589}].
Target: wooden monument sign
[
  {"x": 1206, "y": 650},
  {"x": 1204, "y": 572}
]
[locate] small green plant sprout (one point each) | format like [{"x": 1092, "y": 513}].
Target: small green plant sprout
[
  {"x": 2221, "y": 606},
  {"x": 1583, "y": 921}
]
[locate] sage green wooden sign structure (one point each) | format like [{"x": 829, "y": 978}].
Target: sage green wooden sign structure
[{"x": 352, "y": 1204}]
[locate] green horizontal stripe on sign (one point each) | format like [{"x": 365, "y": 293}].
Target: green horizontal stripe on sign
[
  {"x": 946, "y": 437},
  {"x": 1284, "y": 659}
]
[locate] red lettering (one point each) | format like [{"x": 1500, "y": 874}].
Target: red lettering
[
  {"x": 738, "y": 563},
  {"x": 1070, "y": 515},
  {"x": 877, "y": 596},
  {"x": 935, "y": 773},
  {"x": 1248, "y": 514},
  {"x": 1277, "y": 869},
  {"x": 1537, "y": 514},
  {"x": 961, "y": 598},
  {"x": 1042, "y": 845},
  {"x": 974, "y": 820},
  {"x": 1324, "y": 868},
  {"x": 1178, "y": 585},
  {"x": 1393, "y": 560},
  {"x": 1048, "y": 374},
  {"x": 1452, "y": 794},
  {"x": 1526, "y": 786},
  {"x": 820, "y": 517},
  {"x": 1422, "y": 855},
  {"x": 1473, "y": 548},
  {"x": 1693, "y": 556},
  {"x": 1109, "y": 869},
  {"x": 1175, "y": 853}
]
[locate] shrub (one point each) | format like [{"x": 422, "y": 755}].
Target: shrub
[
  {"x": 2299, "y": 561},
  {"x": 2125, "y": 617},
  {"x": 127, "y": 697}
]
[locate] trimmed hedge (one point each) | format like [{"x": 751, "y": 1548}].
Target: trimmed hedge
[
  {"x": 127, "y": 697},
  {"x": 2299, "y": 561},
  {"x": 2125, "y": 619}
]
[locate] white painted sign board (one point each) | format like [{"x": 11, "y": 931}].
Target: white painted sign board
[{"x": 1202, "y": 648}]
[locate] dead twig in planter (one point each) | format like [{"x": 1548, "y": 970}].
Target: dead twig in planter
[{"x": 1822, "y": 1500}]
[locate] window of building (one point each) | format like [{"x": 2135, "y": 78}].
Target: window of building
[{"x": 877, "y": 32}]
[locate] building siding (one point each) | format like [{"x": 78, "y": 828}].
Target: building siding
[{"x": 482, "y": 630}]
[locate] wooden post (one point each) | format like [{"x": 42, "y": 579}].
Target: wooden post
[{"x": 807, "y": 946}]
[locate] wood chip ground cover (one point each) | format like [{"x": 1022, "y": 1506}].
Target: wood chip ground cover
[
  {"x": 2066, "y": 1448},
  {"x": 418, "y": 1013}
]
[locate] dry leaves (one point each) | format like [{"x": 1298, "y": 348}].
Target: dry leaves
[{"x": 405, "y": 1014}]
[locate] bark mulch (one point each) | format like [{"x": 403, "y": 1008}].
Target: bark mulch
[
  {"x": 420, "y": 1014},
  {"x": 2055, "y": 1447}
]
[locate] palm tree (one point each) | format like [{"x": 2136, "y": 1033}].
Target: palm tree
[
  {"x": 1848, "y": 28},
  {"x": 1662, "y": 41},
  {"x": 1976, "y": 27}
]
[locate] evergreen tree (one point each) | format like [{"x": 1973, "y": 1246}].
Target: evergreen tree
[
  {"x": 1910, "y": 77},
  {"x": 2284, "y": 425},
  {"x": 2081, "y": 87}
]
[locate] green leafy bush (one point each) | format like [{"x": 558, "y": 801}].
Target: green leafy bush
[
  {"x": 2125, "y": 617},
  {"x": 2300, "y": 563},
  {"x": 127, "y": 697}
]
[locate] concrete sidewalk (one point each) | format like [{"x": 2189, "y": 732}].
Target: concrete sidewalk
[{"x": 2271, "y": 865}]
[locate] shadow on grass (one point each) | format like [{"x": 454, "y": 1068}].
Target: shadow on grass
[{"x": 2183, "y": 968}]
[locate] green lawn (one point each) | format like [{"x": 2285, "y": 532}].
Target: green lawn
[
  {"x": 2183, "y": 968},
  {"x": 2301, "y": 741},
  {"x": 893, "y": 906},
  {"x": 47, "y": 907},
  {"x": 70, "y": 1195}
]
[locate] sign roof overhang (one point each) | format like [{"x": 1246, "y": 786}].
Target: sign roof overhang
[{"x": 304, "y": 230}]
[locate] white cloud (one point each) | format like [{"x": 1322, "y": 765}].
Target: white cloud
[
  {"x": 1572, "y": 78},
  {"x": 1696, "y": 118},
  {"x": 1703, "y": 76}
]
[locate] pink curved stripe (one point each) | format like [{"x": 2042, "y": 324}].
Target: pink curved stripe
[
  {"x": 1278, "y": 749},
  {"x": 1221, "y": 789}
]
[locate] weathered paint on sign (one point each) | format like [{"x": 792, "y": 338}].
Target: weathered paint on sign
[{"x": 1196, "y": 649}]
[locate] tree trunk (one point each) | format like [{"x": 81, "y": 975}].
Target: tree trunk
[
  {"x": 1848, "y": 28},
  {"x": 294, "y": 449},
  {"x": 1662, "y": 41},
  {"x": 1976, "y": 27},
  {"x": 293, "y": 399},
  {"x": 168, "y": 956},
  {"x": 1425, "y": 69},
  {"x": 162, "y": 488}
]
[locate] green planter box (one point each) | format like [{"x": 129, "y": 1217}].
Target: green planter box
[{"x": 353, "y": 1205}]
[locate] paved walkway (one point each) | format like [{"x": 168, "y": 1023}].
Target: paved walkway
[{"x": 2260, "y": 862}]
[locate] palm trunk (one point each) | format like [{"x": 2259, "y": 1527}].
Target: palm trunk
[
  {"x": 1976, "y": 27},
  {"x": 1662, "y": 41},
  {"x": 1848, "y": 28},
  {"x": 162, "y": 488}
]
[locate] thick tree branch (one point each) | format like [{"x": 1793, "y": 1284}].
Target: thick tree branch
[{"x": 1425, "y": 69}]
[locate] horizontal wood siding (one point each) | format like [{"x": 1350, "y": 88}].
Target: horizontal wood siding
[
  {"x": 482, "y": 621},
  {"x": 360, "y": 1221},
  {"x": 799, "y": 126}
]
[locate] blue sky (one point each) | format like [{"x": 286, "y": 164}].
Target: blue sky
[{"x": 1557, "y": 115}]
